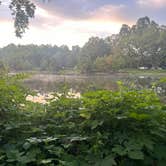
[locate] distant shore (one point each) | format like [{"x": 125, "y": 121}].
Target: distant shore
[{"x": 138, "y": 72}]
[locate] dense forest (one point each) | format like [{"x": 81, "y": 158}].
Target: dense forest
[{"x": 142, "y": 45}]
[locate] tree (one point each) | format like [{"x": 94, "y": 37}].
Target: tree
[
  {"x": 21, "y": 10},
  {"x": 3, "y": 68},
  {"x": 142, "y": 45}
]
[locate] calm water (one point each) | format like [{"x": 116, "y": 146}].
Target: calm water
[{"x": 81, "y": 83}]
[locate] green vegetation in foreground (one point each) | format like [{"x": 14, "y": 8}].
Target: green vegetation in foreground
[{"x": 103, "y": 128}]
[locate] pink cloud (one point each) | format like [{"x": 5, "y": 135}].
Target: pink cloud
[
  {"x": 152, "y": 3},
  {"x": 110, "y": 13},
  {"x": 107, "y": 11}
]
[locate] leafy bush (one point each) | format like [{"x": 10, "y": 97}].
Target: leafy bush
[
  {"x": 102, "y": 128},
  {"x": 12, "y": 94}
]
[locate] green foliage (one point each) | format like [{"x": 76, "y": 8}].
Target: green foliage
[
  {"x": 21, "y": 10},
  {"x": 43, "y": 58},
  {"x": 11, "y": 93},
  {"x": 125, "y": 127},
  {"x": 103, "y": 64},
  {"x": 141, "y": 45}
]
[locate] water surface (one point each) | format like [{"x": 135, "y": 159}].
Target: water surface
[{"x": 81, "y": 83}]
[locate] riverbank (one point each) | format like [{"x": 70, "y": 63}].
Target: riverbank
[
  {"x": 143, "y": 72},
  {"x": 118, "y": 72}
]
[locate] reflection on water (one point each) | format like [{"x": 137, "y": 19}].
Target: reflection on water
[
  {"x": 46, "y": 98},
  {"x": 80, "y": 83},
  {"x": 45, "y": 83},
  {"x": 48, "y": 83}
]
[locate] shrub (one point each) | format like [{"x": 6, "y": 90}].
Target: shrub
[{"x": 103, "y": 128}]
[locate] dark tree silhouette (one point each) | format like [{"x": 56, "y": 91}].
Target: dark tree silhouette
[{"x": 22, "y": 11}]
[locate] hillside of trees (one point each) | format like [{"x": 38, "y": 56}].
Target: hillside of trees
[{"x": 142, "y": 45}]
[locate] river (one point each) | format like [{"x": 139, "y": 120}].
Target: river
[{"x": 81, "y": 83}]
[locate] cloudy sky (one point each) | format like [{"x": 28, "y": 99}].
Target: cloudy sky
[{"x": 72, "y": 22}]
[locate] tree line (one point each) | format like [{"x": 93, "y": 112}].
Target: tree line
[{"x": 142, "y": 45}]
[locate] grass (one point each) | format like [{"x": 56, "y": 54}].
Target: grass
[{"x": 144, "y": 72}]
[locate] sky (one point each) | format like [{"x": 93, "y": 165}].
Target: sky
[{"x": 72, "y": 22}]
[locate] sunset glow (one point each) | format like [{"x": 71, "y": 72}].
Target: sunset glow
[{"x": 73, "y": 22}]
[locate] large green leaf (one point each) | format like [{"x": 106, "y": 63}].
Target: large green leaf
[
  {"x": 108, "y": 161},
  {"x": 138, "y": 155}
]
